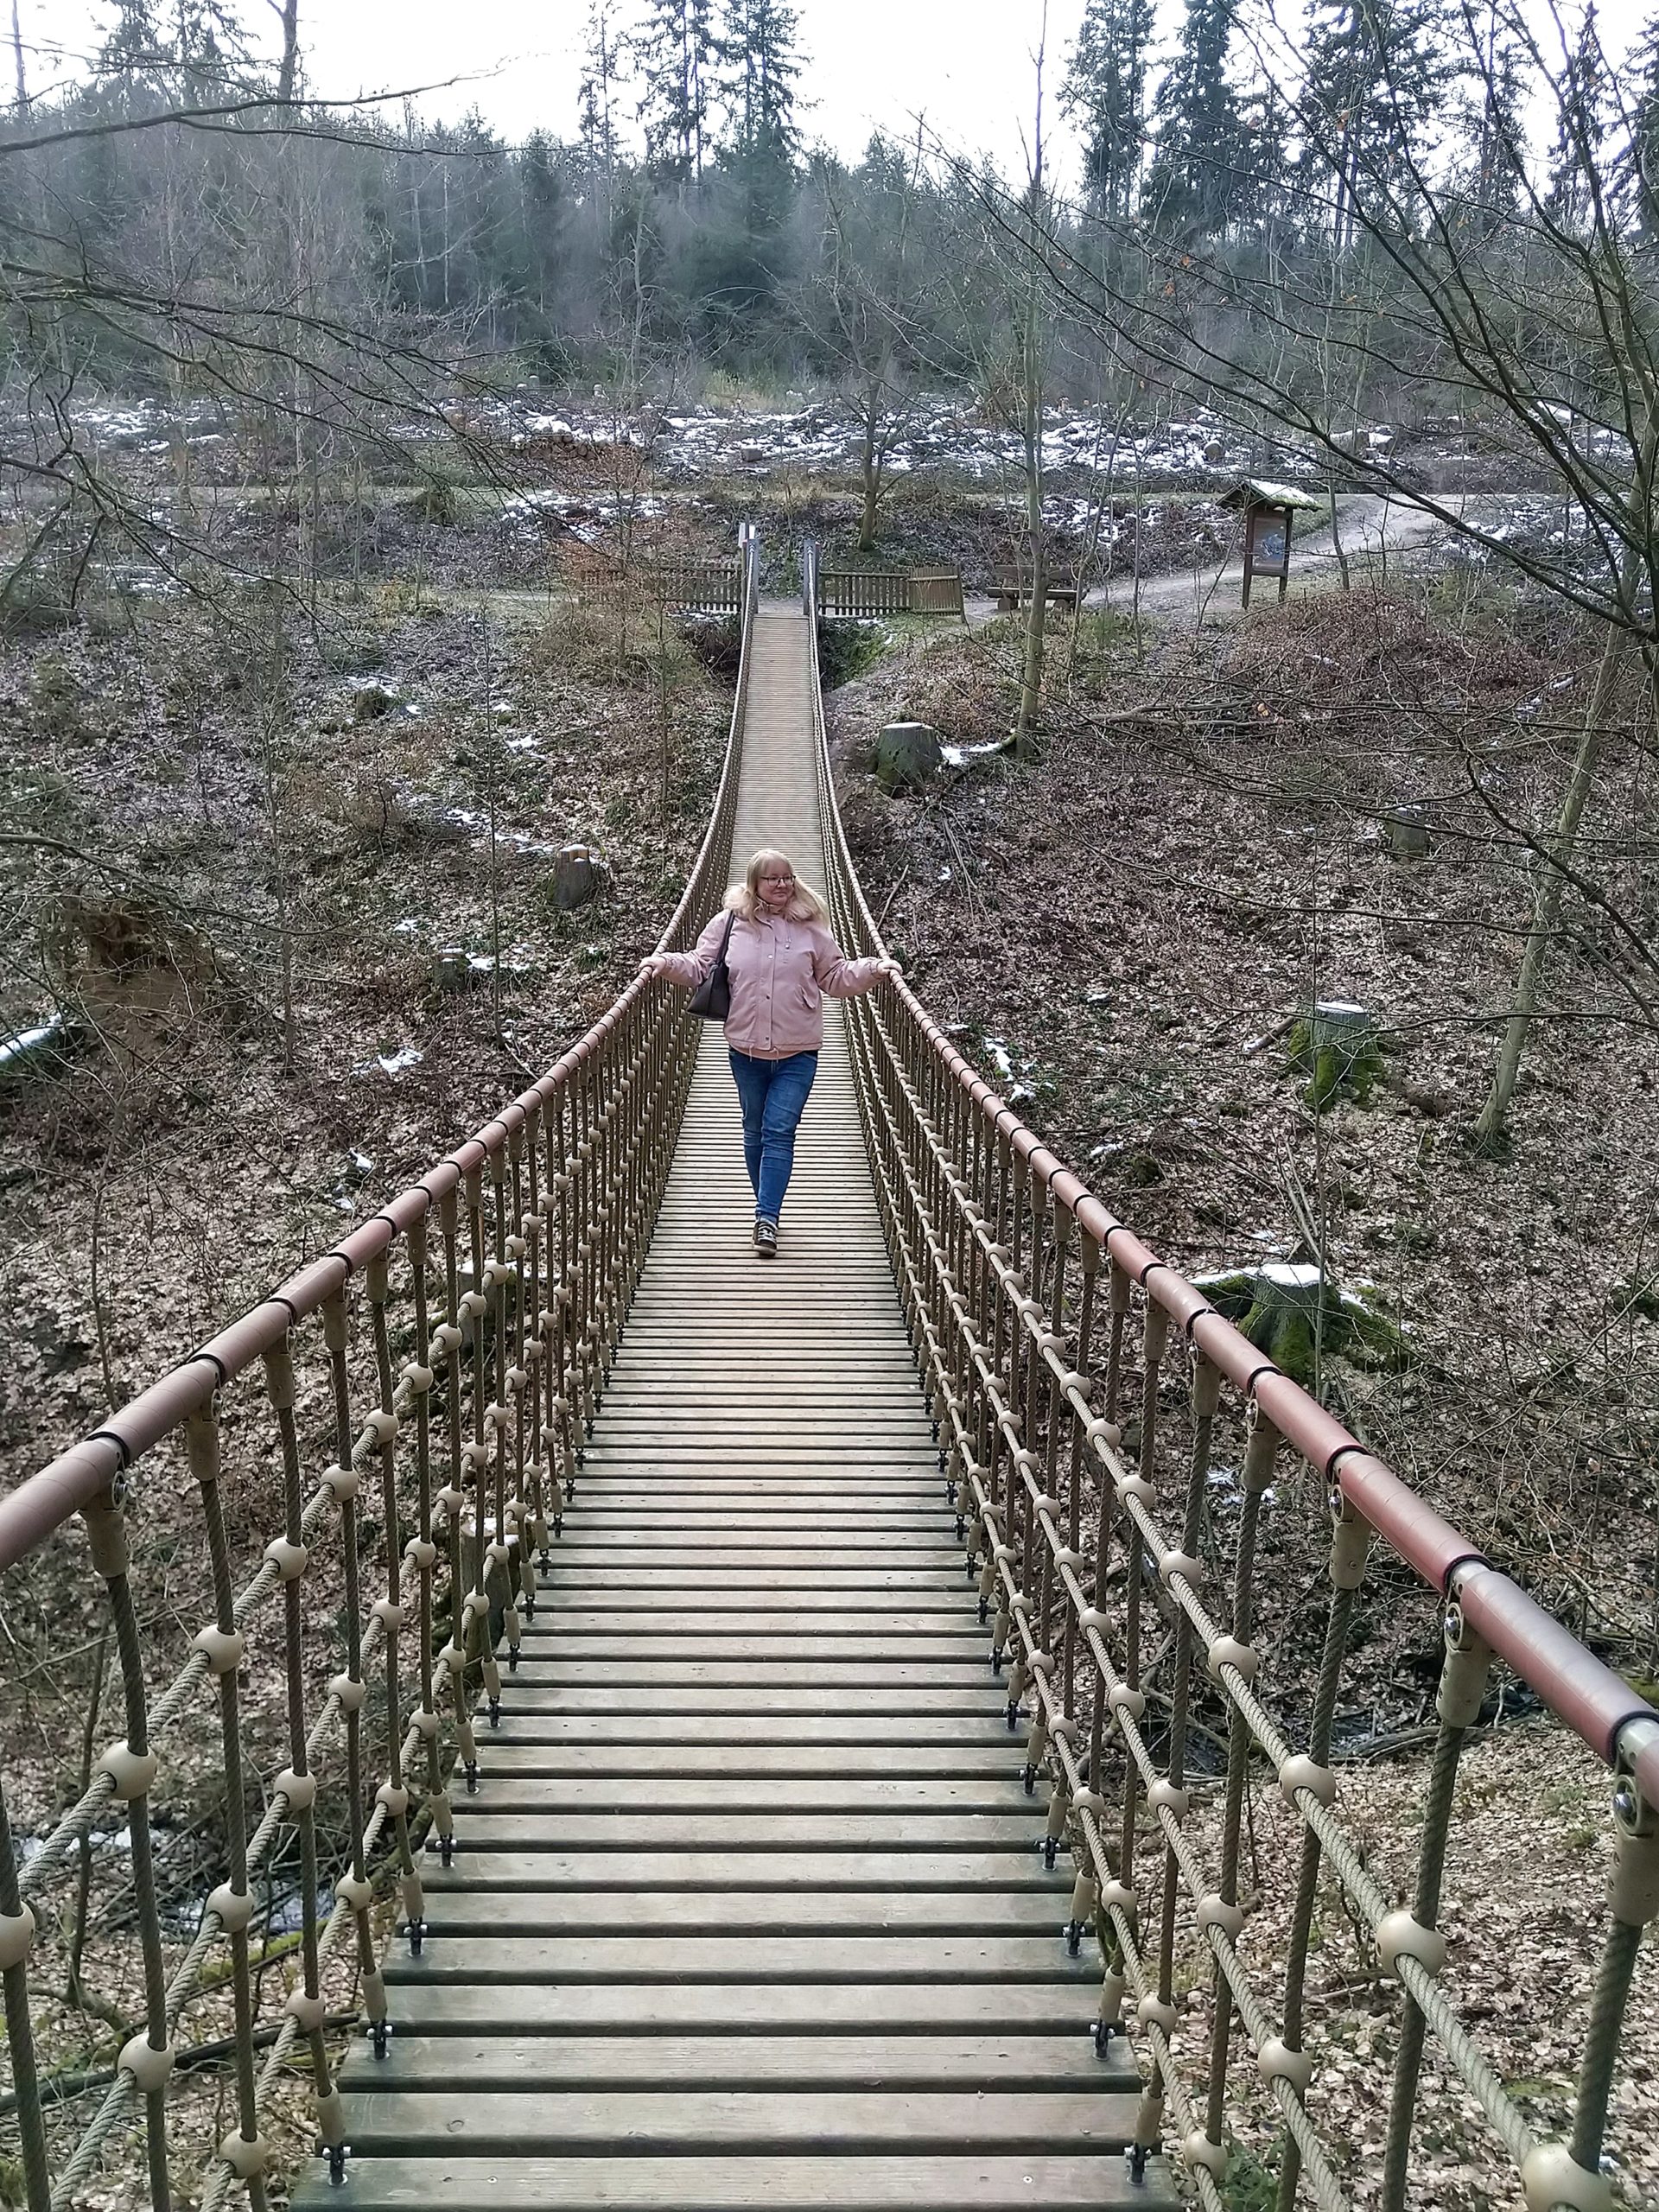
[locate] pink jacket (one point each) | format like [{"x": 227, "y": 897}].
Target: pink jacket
[{"x": 780, "y": 971}]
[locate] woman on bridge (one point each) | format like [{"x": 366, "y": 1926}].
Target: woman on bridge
[{"x": 782, "y": 962}]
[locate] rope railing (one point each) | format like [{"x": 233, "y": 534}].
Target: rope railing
[
  {"x": 420, "y": 1395},
  {"x": 1132, "y": 1635}
]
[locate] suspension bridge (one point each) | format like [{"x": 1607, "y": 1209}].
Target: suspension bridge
[{"x": 737, "y": 1730}]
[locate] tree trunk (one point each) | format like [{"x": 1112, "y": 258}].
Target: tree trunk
[
  {"x": 1547, "y": 884},
  {"x": 872, "y": 471},
  {"x": 1336, "y": 533},
  {"x": 17, "y": 56},
  {"x": 1031, "y": 683},
  {"x": 288, "y": 69}
]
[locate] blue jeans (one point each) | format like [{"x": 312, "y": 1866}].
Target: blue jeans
[{"x": 772, "y": 1094}]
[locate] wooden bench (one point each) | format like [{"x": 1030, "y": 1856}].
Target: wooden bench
[{"x": 1012, "y": 594}]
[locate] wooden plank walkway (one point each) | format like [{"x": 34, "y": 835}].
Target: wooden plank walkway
[{"x": 749, "y": 1907}]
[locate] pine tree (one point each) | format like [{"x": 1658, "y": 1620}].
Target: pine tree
[
  {"x": 1197, "y": 181},
  {"x": 132, "y": 49},
  {"x": 1583, "y": 102},
  {"x": 1493, "y": 120},
  {"x": 183, "y": 50},
  {"x": 1377, "y": 71},
  {"x": 1640, "y": 183},
  {"x": 1105, "y": 96},
  {"x": 596, "y": 126},
  {"x": 677, "y": 52},
  {"x": 760, "y": 64}
]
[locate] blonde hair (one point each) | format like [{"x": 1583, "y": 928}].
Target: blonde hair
[{"x": 805, "y": 904}]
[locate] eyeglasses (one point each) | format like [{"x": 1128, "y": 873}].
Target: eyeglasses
[{"x": 785, "y": 879}]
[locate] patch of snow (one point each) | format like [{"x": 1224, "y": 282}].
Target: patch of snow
[
  {"x": 517, "y": 961},
  {"x": 28, "y": 1041},
  {"x": 409, "y": 1056}
]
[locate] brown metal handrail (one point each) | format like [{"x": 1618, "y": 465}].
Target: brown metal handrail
[
  {"x": 526, "y": 1240},
  {"x": 1011, "y": 1273}
]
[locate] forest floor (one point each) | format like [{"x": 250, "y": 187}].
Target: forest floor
[
  {"x": 1116, "y": 932},
  {"x": 1121, "y": 931}
]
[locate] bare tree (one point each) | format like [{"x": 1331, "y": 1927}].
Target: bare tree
[
  {"x": 1499, "y": 305},
  {"x": 860, "y": 309}
]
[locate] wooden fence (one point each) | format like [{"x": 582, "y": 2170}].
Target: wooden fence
[
  {"x": 699, "y": 586},
  {"x": 912, "y": 591}
]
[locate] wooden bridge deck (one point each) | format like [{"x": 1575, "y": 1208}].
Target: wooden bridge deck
[{"x": 749, "y": 1907}]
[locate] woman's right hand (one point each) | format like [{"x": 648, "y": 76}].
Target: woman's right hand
[{"x": 652, "y": 965}]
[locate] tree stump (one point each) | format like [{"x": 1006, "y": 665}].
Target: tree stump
[
  {"x": 906, "y": 755},
  {"x": 449, "y": 970},
  {"x": 1335, "y": 1044},
  {"x": 370, "y": 702},
  {"x": 1284, "y": 1311},
  {"x": 1405, "y": 828},
  {"x": 577, "y": 871}
]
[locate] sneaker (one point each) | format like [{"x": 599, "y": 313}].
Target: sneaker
[{"x": 766, "y": 1238}]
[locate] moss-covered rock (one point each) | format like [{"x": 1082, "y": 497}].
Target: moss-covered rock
[
  {"x": 1282, "y": 1308},
  {"x": 1337, "y": 1046}
]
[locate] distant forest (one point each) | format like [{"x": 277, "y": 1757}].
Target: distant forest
[{"x": 689, "y": 225}]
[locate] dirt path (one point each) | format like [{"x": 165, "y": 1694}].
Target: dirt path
[{"x": 1371, "y": 528}]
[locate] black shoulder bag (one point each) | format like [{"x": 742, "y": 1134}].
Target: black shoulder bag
[{"x": 712, "y": 999}]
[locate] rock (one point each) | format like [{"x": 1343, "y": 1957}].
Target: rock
[
  {"x": 1337, "y": 1047},
  {"x": 578, "y": 871},
  {"x": 751, "y": 456},
  {"x": 370, "y": 702},
  {"x": 1283, "y": 1307},
  {"x": 1215, "y": 453},
  {"x": 1406, "y": 829},
  {"x": 906, "y": 755}
]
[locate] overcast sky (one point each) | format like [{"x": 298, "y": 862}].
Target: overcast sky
[{"x": 966, "y": 65}]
